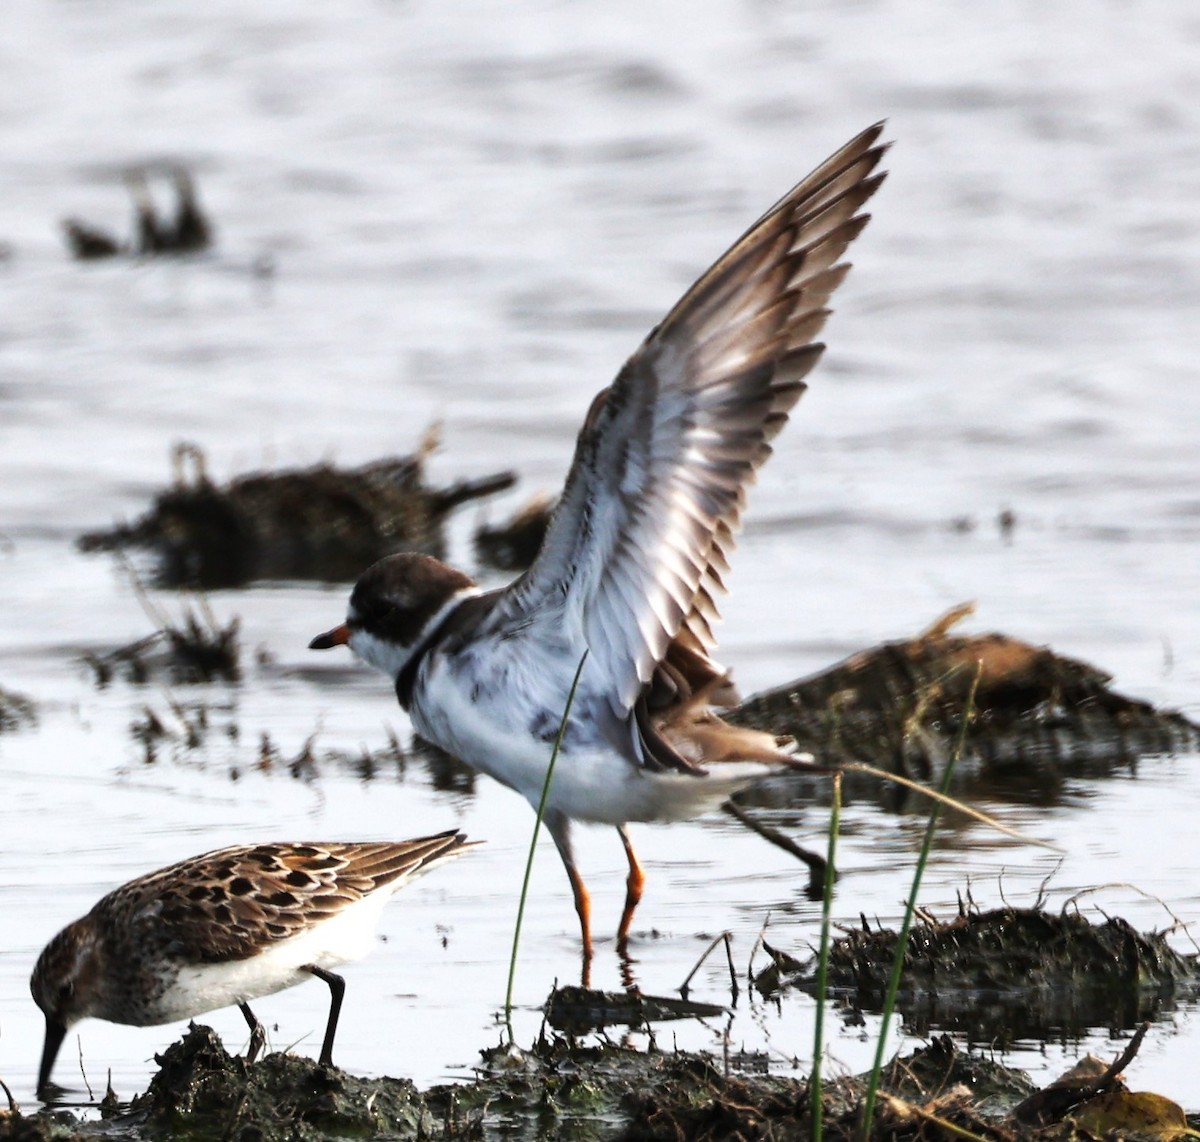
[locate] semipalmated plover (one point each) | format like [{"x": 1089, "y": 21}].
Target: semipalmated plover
[
  {"x": 634, "y": 556},
  {"x": 225, "y": 928}
]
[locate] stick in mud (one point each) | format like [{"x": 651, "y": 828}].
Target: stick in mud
[
  {"x": 1051, "y": 1103},
  {"x": 733, "y": 986}
]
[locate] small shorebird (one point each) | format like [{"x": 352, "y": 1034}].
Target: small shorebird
[
  {"x": 224, "y": 928},
  {"x": 633, "y": 557}
]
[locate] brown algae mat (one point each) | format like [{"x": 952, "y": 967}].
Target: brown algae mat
[
  {"x": 900, "y": 706},
  {"x": 320, "y": 522}
]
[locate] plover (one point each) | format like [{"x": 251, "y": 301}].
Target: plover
[{"x": 634, "y": 556}]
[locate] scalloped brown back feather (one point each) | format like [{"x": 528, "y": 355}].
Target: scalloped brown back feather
[{"x": 232, "y": 903}]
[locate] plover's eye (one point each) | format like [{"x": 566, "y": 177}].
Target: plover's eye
[
  {"x": 66, "y": 993},
  {"x": 373, "y": 611}
]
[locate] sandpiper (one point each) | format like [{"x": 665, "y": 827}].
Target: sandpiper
[
  {"x": 634, "y": 556},
  {"x": 224, "y": 928}
]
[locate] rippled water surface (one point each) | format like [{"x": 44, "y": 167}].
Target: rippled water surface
[{"x": 472, "y": 214}]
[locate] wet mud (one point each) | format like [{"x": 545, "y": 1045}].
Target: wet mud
[
  {"x": 901, "y": 706},
  {"x": 560, "y": 1088},
  {"x": 322, "y": 522}
]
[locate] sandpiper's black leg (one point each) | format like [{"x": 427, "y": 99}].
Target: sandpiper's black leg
[
  {"x": 337, "y": 988},
  {"x": 258, "y": 1036}
]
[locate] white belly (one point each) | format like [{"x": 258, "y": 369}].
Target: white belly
[
  {"x": 591, "y": 782},
  {"x": 349, "y": 935}
]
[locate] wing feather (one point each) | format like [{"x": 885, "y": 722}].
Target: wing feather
[{"x": 635, "y": 555}]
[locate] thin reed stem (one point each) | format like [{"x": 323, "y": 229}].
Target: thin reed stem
[
  {"x": 889, "y": 1002},
  {"x": 814, "y": 1082},
  {"x": 537, "y": 825}
]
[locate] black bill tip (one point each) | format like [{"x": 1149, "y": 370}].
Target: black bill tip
[{"x": 339, "y": 636}]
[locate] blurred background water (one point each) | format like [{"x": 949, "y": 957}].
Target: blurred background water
[{"x": 472, "y": 213}]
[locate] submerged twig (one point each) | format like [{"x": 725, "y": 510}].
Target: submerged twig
[
  {"x": 1102, "y": 1082},
  {"x": 83, "y": 1073},
  {"x": 759, "y": 942}
]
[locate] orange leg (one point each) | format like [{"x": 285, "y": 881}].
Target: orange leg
[
  {"x": 583, "y": 905},
  {"x": 634, "y": 885},
  {"x": 559, "y": 830}
]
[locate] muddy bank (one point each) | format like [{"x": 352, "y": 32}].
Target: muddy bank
[
  {"x": 901, "y": 705},
  {"x": 591, "y": 1087},
  {"x": 561, "y": 1089},
  {"x": 321, "y": 522}
]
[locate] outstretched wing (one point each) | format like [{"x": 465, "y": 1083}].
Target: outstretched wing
[{"x": 635, "y": 552}]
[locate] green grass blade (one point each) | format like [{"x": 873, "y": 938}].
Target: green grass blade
[
  {"x": 814, "y": 1081},
  {"x": 889, "y": 1002},
  {"x": 537, "y": 826}
]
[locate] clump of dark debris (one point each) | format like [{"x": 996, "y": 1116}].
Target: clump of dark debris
[
  {"x": 16, "y": 711},
  {"x": 513, "y": 545},
  {"x": 202, "y": 1092},
  {"x": 320, "y": 522},
  {"x": 578, "y": 1010},
  {"x": 183, "y": 727},
  {"x": 1004, "y": 974},
  {"x": 198, "y": 649},
  {"x": 187, "y": 731},
  {"x": 202, "y": 650},
  {"x": 900, "y": 706},
  {"x": 188, "y": 232},
  {"x": 308, "y": 763}
]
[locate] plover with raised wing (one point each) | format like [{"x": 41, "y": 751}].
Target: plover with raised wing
[{"x": 634, "y": 556}]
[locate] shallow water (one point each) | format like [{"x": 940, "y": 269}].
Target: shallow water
[{"x": 472, "y": 214}]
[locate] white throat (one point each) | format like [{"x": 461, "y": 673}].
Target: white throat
[{"x": 392, "y": 657}]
